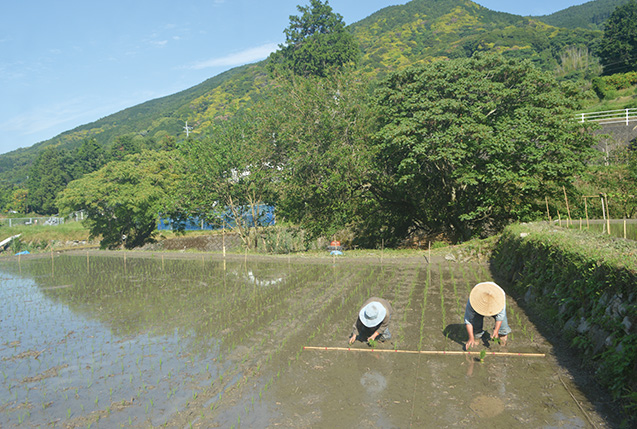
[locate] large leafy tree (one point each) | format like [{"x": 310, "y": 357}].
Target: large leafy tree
[
  {"x": 230, "y": 175},
  {"x": 316, "y": 42},
  {"x": 468, "y": 145},
  {"x": 618, "y": 48},
  {"x": 322, "y": 128},
  {"x": 48, "y": 176},
  {"x": 124, "y": 199}
]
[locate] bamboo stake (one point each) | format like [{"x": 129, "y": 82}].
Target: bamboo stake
[
  {"x": 568, "y": 210},
  {"x": 586, "y": 210},
  {"x": 624, "y": 228},
  {"x": 423, "y": 352},
  {"x": 382, "y": 248},
  {"x": 601, "y": 196},
  {"x": 607, "y": 215}
]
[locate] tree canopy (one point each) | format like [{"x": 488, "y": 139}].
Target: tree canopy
[
  {"x": 230, "y": 174},
  {"x": 316, "y": 42},
  {"x": 123, "y": 199},
  {"x": 467, "y": 145},
  {"x": 618, "y": 48}
]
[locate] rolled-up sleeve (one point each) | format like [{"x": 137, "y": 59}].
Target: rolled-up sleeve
[{"x": 469, "y": 314}]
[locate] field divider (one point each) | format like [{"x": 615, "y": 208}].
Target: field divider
[{"x": 423, "y": 352}]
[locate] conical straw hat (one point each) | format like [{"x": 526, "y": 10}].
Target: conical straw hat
[
  {"x": 487, "y": 298},
  {"x": 372, "y": 314}
]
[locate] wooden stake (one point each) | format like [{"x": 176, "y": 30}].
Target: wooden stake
[
  {"x": 586, "y": 210},
  {"x": 601, "y": 196},
  {"x": 548, "y": 213},
  {"x": 568, "y": 210},
  {"x": 382, "y": 247},
  {"x": 607, "y": 215},
  {"x": 423, "y": 352},
  {"x": 624, "y": 228}
]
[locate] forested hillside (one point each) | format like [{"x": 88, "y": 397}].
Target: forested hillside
[
  {"x": 390, "y": 39},
  {"x": 591, "y": 15}
]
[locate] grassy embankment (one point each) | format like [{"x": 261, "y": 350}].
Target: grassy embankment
[{"x": 580, "y": 284}]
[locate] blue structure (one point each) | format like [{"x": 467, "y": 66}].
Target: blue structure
[{"x": 265, "y": 217}]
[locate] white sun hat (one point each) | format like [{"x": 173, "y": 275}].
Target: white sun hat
[
  {"x": 372, "y": 314},
  {"x": 487, "y": 298}
]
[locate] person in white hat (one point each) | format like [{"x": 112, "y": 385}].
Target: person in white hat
[
  {"x": 373, "y": 321},
  {"x": 486, "y": 299}
]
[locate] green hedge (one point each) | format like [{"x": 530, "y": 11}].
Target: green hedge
[{"x": 585, "y": 285}]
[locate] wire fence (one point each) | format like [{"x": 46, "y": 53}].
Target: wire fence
[{"x": 41, "y": 220}]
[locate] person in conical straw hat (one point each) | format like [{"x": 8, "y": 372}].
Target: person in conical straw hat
[
  {"x": 486, "y": 299},
  {"x": 372, "y": 322}
]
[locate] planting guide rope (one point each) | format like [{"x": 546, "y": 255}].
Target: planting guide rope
[{"x": 425, "y": 352}]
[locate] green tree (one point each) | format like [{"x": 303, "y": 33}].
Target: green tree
[
  {"x": 322, "y": 128},
  {"x": 48, "y": 175},
  {"x": 468, "y": 145},
  {"x": 18, "y": 200},
  {"x": 89, "y": 157},
  {"x": 316, "y": 43},
  {"x": 123, "y": 199},
  {"x": 122, "y": 146},
  {"x": 618, "y": 48},
  {"x": 230, "y": 175}
]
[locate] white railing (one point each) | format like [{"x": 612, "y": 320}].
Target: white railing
[{"x": 622, "y": 116}]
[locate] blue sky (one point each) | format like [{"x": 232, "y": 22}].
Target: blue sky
[{"x": 65, "y": 63}]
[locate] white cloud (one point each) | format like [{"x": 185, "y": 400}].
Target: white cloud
[{"x": 238, "y": 58}]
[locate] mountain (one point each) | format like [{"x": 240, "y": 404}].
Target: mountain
[
  {"x": 390, "y": 39},
  {"x": 591, "y": 15}
]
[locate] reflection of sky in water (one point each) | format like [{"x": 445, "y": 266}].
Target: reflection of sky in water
[{"x": 67, "y": 366}]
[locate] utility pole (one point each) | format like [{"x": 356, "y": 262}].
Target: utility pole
[{"x": 187, "y": 128}]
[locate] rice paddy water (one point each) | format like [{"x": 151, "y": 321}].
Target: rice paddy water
[{"x": 201, "y": 340}]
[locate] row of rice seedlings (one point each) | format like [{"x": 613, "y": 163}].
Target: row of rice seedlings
[
  {"x": 459, "y": 307},
  {"x": 270, "y": 333},
  {"x": 424, "y": 306},
  {"x": 406, "y": 309},
  {"x": 442, "y": 297},
  {"x": 318, "y": 301}
]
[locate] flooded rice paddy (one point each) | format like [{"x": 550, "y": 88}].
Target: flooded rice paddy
[{"x": 199, "y": 341}]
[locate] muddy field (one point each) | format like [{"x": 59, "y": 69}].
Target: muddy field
[{"x": 198, "y": 341}]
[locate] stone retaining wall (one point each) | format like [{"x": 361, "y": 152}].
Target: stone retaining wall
[{"x": 585, "y": 287}]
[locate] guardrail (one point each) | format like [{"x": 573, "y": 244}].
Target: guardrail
[{"x": 622, "y": 116}]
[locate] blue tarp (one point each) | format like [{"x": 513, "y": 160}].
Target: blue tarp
[{"x": 265, "y": 217}]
